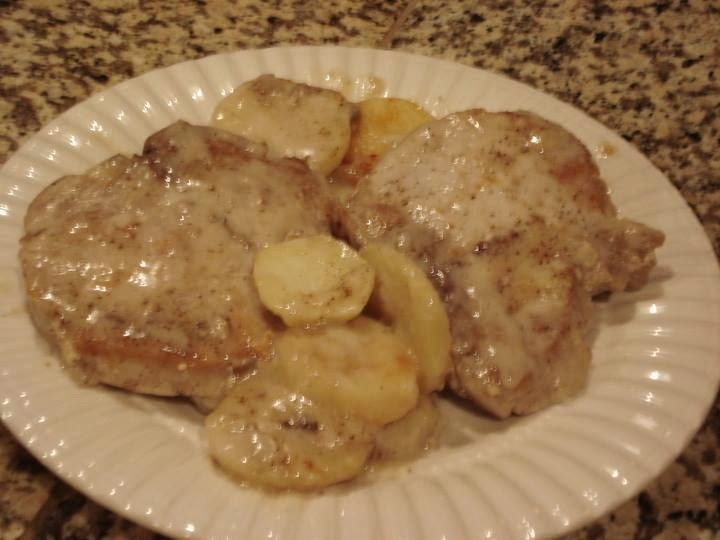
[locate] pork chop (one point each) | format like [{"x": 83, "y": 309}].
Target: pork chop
[
  {"x": 509, "y": 217},
  {"x": 140, "y": 270}
]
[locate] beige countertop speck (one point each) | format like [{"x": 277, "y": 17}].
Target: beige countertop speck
[{"x": 649, "y": 70}]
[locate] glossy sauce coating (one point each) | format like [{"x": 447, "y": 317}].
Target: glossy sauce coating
[
  {"x": 294, "y": 120},
  {"x": 509, "y": 217},
  {"x": 140, "y": 270}
]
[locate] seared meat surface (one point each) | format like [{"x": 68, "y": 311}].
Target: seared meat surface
[
  {"x": 508, "y": 215},
  {"x": 140, "y": 270}
]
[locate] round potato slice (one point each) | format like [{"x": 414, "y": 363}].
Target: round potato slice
[
  {"x": 292, "y": 119},
  {"x": 380, "y": 123},
  {"x": 313, "y": 280},
  {"x": 267, "y": 434},
  {"x": 407, "y": 437},
  {"x": 362, "y": 369},
  {"x": 405, "y": 297}
]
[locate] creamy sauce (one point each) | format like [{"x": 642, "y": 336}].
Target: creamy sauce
[
  {"x": 271, "y": 435},
  {"x": 464, "y": 179},
  {"x": 476, "y": 171},
  {"x": 355, "y": 88},
  {"x": 294, "y": 120},
  {"x": 150, "y": 258},
  {"x": 479, "y": 195},
  {"x": 605, "y": 150}
]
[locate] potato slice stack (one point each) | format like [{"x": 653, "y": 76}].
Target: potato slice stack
[
  {"x": 339, "y": 380},
  {"x": 342, "y": 387}
]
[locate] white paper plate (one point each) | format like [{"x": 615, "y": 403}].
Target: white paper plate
[{"x": 654, "y": 375}]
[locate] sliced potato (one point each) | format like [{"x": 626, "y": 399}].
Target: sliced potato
[
  {"x": 268, "y": 434},
  {"x": 382, "y": 122},
  {"x": 406, "y": 298},
  {"x": 379, "y": 124},
  {"x": 362, "y": 369},
  {"x": 294, "y": 120},
  {"x": 313, "y": 280},
  {"x": 407, "y": 437}
]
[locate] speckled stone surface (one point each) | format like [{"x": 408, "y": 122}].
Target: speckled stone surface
[{"x": 649, "y": 70}]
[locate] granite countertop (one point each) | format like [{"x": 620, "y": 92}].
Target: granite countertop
[{"x": 647, "y": 69}]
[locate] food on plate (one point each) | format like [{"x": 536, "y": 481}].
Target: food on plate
[
  {"x": 313, "y": 280},
  {"x": 313, "y": 415},
  {"x": 272, "y": 435},
  {"x": 507, "y": 214},
  {"x": 294, "y": 120},
  {"x": 405, "y": 298},
  {"x": 140, "y": 270},
  {"x": 378, "y": 125},
  {"x": 407, "y": 437},
  {"x": 221, "y": 265},
  {"x": 361, "y": 368}
]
